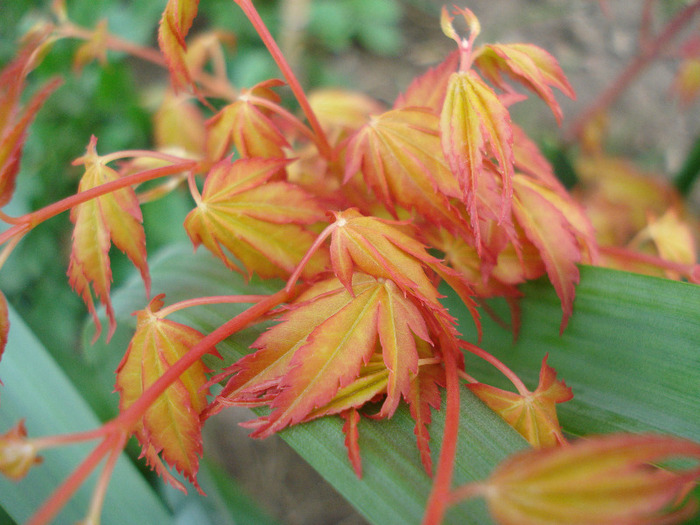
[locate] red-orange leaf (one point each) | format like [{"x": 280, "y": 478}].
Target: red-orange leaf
[
  {"x": 532, "y": 414},
  {"x": 474, "y": 124},
  {"x": 247, "y": 127},
  {"x": 328, "y": 357},
  {"x": 605, "y": 480},
  {"x": 171, "y": 425},
  {"x": 530, "y": 65},
  {"x": 352, "y": 437},
  {"x": 174, "y": 25},
  {"x": 111, "y": 218},
  {"x": 400, "y": 158},
  {"x": 428, "y": 90},
  {"x": 14, "y": 119},
  {"x": 548, "y": 228},
  {"x": 261, "y": 222},
  {"x": 423, "y": 396},
  {"x": 379, "y": 248}
]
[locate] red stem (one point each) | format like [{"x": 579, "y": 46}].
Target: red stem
[
  {"x": 500, "y": 366},
  {"x": 440, "y": 493},
  {"x": 213, "y": 299},
  {"x": 322, "y": 142},
  {"x": 30, "y": 220},
  {"x": 647, "y": 54},
  {"x": 62, "y": 494}
]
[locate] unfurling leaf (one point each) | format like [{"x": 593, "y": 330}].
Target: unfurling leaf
[
  {"x": 171, "y": 425},
  {"x": 174, "y": 25},
  {"x": 17, "y": 453},
  {"x": 259, "y": 221},
  {"x": 111, "y": 218},
  {"x": 602, "y": 480},
  {"x": 474, "y": 126},
  {"x": 532, "y": 414},
  {"x": 530, "y": 65}
]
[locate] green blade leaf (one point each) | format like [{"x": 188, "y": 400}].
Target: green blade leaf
[{"x": 36, "y": 389}]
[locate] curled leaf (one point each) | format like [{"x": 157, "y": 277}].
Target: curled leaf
[
  {"x": 602, "y": 480},
  {"x": 111, "y": 218},
  {"x": 17, "y": 453},
  {"x": 474, "y": 126},
  {"x": 175, "y": 23},
  {"x": 531, "y": 65},
  {"x": 14, "y": 118}
]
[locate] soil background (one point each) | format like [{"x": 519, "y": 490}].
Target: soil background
[{"x": 593, "y": 41}]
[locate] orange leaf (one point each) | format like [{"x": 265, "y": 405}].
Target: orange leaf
[
  {"x": 95, "y": 48},
  {"x": 178, "y": 126},
  {"x": 377, "y": 247},
  {"x": 14, "y": 120},
  {"x": 400, "y": 158},
  {"x": 428, "y": 90},
  {"x": 530, "y": 65},
  {"x": 261, "y": 222},
  {"x": 17, "y": 453},
  {"x": 325, "y": 341},
  {"x": 546, "y": 225},
  {"x": 173, "y": 28},
  {"x": 171, "y": 425},
  {"x": 474, "y": 122},
  {"x": 532, "y": 414},
  {"x": 423, "y": 396},
  {"x": 247, "y": 127},
  {"x": 602, "y": 480},
  {"x": 352, "y": 436},
  {"x": 111, "y": 218}
]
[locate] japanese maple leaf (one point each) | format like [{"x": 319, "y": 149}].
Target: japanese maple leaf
[
  {"x": 532, "y": 414},
  {"x": 111, "y": 218},
  {"x": 171, "y": 426},
  {"x": 400, "y": 158},
  {"x": 530, "y": 65},
  {"x": 603, "y": 479},
  {"x": 474, "y": 124},
  {"x": 545, "y": 220},
  {"x": 261, "y": 222},
  {"x": 14, "y": 117},
  {"x": 323, "y": 344},
  {"x": 247, "y": 127},
  {"x": 428, "y": 90},
  {"x": 173, "y": 28},
  {"x": 378, "y": 247}
]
